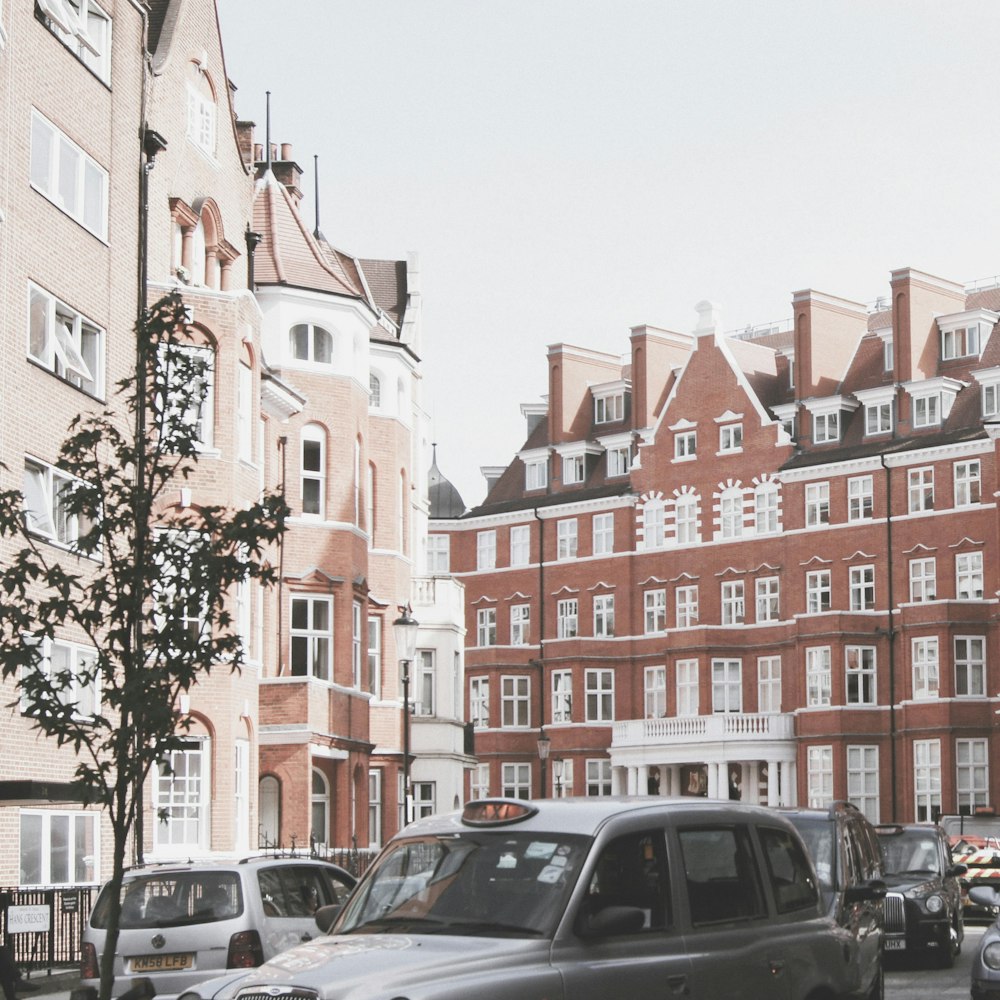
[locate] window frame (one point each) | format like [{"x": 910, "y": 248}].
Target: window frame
[
  {"x": 686, "y": 605},
  {"x": 65, "y": 357},
  {"x": 819, "y": 677},
  {"x": 860, "y": 675},
  {"x": 819, "y": 591},
  {"x": 599, "y": 694},
  {"x": 319, "y": 664},
  {"x": 567, "y": 618},
  {"x": 654, "y": 611}
]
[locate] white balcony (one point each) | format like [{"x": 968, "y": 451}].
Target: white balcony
[{"x": 729, "y": 727}]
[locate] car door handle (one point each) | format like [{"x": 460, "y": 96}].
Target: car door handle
[
  {"x": 678, "y": 985},
  {"x": 777, "y": 966}
]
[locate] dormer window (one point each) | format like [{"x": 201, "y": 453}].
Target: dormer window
[
  {"x": 989, "y": 381},
  {"x": 574, "y": 469},
  {"x": 926, "y": 411},
  {"x": 878, "y": 404},
  {"x": 535, "y": 476},
  {"x": 610, "y": 401},
  {"x": 826, "y": 428},
  {"x": 609, "y": 409},
  {"x": 964, "y": 334},
  {"x": 578, "y": 461},
  {"x": 932, "y": 399},
  {"x": 826, "y": 417}
]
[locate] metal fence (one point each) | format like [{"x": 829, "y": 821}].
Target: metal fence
[{"x": 42, "y": 927}]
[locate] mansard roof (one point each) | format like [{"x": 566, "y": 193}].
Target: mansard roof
[{"x": 490, "y": 506}]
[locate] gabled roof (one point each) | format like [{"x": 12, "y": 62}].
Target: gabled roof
[
  {"x": 289, "y": 254},
  {"x": 387, "y": 284}
]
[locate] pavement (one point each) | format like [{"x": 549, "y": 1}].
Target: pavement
[{"x": 54, "y": 984}]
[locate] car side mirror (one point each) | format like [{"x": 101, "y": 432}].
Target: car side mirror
[
  {"x": 872, "y": 890},
  {"x": 612, "y": 920},
  {"x": 325, "y": 917},
  {"x": 954, "y": 871}
]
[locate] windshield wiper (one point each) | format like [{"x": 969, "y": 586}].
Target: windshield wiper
[
  {"x": 383, "y": 925},
  {"x": 436, "y": 925}
]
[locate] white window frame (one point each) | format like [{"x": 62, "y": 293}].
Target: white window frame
[
  {"x": 685, "y": 446},
  {"x": 603, "y": 531},
  {"x": 688, "y": 687},
  {"x": 970, "y": 666},
  {"x": 826, "y": 427},
  {"x": 817, "y": 504},
  {"x": 861, "y": 675},
  {"x": 769, "y": 685},
  {"x": 927, "y": 410},
  {"x": 486, "y": 549},
  {"x": 609, "y": 408},
  {"x": 926, "y": 780},
  {"x": 60, "y": 339},
  {"x": 479, "y": 702},
  {"x": 515, "y": 701},
  {"x": 972, "y": 775},
  {"x": 878, "y": 418},
  {"x": 686, "y": 606},
  {"x": 923, "y": 580},
  {"x": 598, "y": 777},
  {"x": 566, "y": 538},
  {"x": 926, "y": 667},
  {"x": 438, "y": 555},
  {"x": 819, "y": 676},
  {"x": 516, "y": 780},
  {"x": 860, "y": 498},
  {"x": 374, "y": 655},
  {"x": 520, "y": 624},
  {"x": 312, "y": 471},
  {"x": 358, "y": 630},
  {"x": 969, "y": 576},
  {"x": 654, "y": 607},
  {"x": 654, "y": 692},
  {"x": 863, "y": 780},
  {"x": 424, "y": 683},
  {"x": 765, "y": 509},
  {"x": 727, "y": 686},
  {"x": 819, "y": 592},
  {"x": 604, "y": 616},
  {"x": 767, "y": 599},
  {"x": 182, "y": 799},
  {"x": 861, "y": 588},
  {"x": 318, "y": 343},
  {"x": 731, "y": 513},
  {"x": 562, "y": 696},
  {"x": 45, "y": 512},
  {"x": 730, "y": 438},
  {"x": 520, "y": 544},
  {"x": 79, "y": 661},
  {"x": 819, "y": 776},
  {"x": 968, "y": 483},
  {"x": 686, "y": 520},
  {"x": 653, "y": 532},
  {"x": 486, "y": 627},
  {"x": 574, "y": 469},
  {"x": 85, "y": 29},
  {"x": 567, "y": 618},
  {"x": 733, "y": 603},
  {"x": 960, "y": 342},
  {"x": 599, "y": 689},
  {"x": 619, "y": 461},
  {"x": 536, "y": 474},
  {"x": 56, "y": 850},
  {"x": 50, "y": 147},
  {"x": 202, "y": 118},
  {"x": 314, "y": 639}
]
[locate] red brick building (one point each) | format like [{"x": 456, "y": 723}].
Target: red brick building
[{"x": 760, "y": 565}]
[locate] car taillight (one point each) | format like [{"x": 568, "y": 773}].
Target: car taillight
[
  {"x": 88, "y": 962},
  {"x": 245, "y": 951}
]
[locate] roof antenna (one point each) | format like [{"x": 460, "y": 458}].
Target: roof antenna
[
  {"x": 316, "y": 231},
  {"x": 267, "y": 155}
]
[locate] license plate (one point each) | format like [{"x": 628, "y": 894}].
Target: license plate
[
  {"x": 894, "y": 945},
  {"x": 161, "y": 963}
]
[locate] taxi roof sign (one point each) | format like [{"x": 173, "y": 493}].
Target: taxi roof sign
[{"x": 496, "y": 812}]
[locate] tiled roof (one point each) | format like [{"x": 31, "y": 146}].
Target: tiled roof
[
  {"x": 157, "y": 15},
  {"x": 288, "y": 253},
  {"x": 548, "y": 499},
  {"x": 387, "y": 283}
]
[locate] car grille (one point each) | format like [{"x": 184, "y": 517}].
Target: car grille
[
  {"x": 278, "y": 993},
  {"x": 895, "y": 913}
]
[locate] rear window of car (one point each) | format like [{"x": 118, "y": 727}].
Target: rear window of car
[{"x": 170, "y": 899}]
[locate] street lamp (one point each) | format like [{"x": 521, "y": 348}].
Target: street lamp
[
  {"x": 557, "y": 775},
  {"x": 405, "y": 630},
  {"x": 544, "y": 746}
]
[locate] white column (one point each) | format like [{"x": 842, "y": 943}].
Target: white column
[
  {"x": 713, "y": 781},
  {"x": 751, "y": 781},
  {"x": 790, "y": 784},
  {"x": 632, "y": 779},
  {"x": 642, "y": 779},
  {"x": 618, "y": 779},
  {"x": 674, "y": 784},
  {"x": 773, "y": 797}
]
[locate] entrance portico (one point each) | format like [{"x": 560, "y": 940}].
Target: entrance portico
[{"x": 707, "y": 755}]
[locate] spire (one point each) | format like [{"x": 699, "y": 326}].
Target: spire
[{"x": 316, "y": 232}]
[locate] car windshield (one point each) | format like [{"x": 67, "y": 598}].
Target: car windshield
[
  {"x": 909, "y": 851},
  {"x": 488, "y": 883},
  {"x": 170, "y": 898}
]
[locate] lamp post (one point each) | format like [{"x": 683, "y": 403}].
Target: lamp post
[
  {"x": 405, "y": 630},
  {"x": 557, "y": 775},
  {"x": 544, "y": 746}
]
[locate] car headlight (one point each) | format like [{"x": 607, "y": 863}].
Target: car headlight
[
  {"x": 934, "y": 903},
  {"x": 991, "y": 955}
]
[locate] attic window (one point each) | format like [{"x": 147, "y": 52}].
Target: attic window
[
  {"x": 609, "y": 409},
  {"x": 962, "y": 342},
  {"x": 308, "y": 342},
  {"x": 201, "y": 118}
]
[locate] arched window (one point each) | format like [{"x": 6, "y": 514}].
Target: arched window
[
  {"x": 269, "y": 806},
  {"x": 308, "y": 342},
  {"x": 375, "y": 389},
  {"x": 313, "y": 470},
  {"x": 653, "y": 524},
  {"x": 320, "y": 826}
]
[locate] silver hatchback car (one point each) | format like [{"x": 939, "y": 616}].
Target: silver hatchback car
[
  {"x": 181, "y": 924},
  {"x": 575, "y": 899}
]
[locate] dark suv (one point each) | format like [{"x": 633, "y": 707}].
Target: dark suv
[
  {"x": 923, "y": 907},
  {"x": 845, "y": 851}
]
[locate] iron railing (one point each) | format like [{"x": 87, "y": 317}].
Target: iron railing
[{"x": 58, "y": 913}]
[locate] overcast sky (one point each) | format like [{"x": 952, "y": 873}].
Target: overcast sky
[{"x": 568, "y": 169}]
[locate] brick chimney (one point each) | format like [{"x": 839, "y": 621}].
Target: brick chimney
[
  {"x": 917, "y": 300},
  {"x": 655, "y": 355},
  {"x": 827, "y": 333},
  {"x": 572, "y": 370},
  {"x": 284, "y": 168}
]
